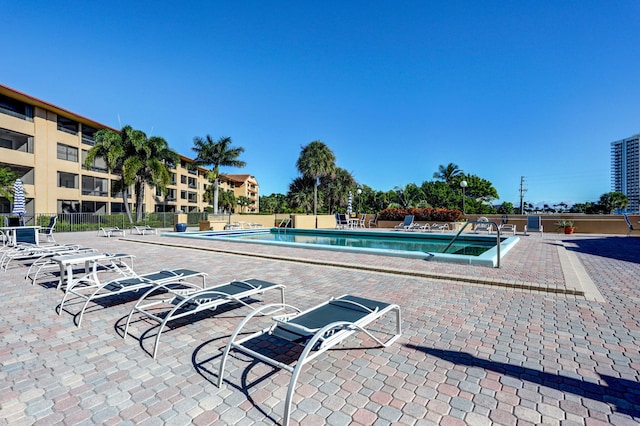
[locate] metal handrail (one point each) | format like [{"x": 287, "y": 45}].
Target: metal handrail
[
  {"x": 286, "y": 223},
  {"x": 477, "y": 222}
]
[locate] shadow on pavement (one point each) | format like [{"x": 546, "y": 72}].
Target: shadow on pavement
[{"x": 623, "y": 395}]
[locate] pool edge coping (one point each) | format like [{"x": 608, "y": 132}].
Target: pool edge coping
[{"x": 518, "y": 285}]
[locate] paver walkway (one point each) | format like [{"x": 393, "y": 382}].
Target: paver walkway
[{"x": 471, "y": 353}]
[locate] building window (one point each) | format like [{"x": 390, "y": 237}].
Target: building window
[
  {"x": 94, "y": 207},
  {"x": 67, "y": 125},
  {"x": 183, "y": 195},
  {"x": 161, "y": 208},
  {"x": 68, "y": 206},
  {"x": 192, "y": 182},
  {"x": 66, "y": 152},
  {"x": 169, "y": 194},
  {"x": 192, "y": 197},
  {"x": 94, "y": 186},
  {"x": 15, "y": 108},
  {"x": 115, "y": 193},
  {"x": 99, "y": 164},
  {"x": 16, "y": 141},
  {"x": 183, "y": 179},
  {"x": 87, "y": 135},
  {"x": 67, "y": 180},
  {"x": 117, "y": 208},
  {"x": 173, "y": 179}
]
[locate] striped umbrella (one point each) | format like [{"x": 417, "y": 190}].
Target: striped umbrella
[
  {"x": 350, "y": 203},
  {"x": 18, "y": 199}
]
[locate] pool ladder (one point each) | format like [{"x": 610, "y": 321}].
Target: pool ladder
[
  {"x": 476, "y": 222},
  {"x": 284, "y": 225}
]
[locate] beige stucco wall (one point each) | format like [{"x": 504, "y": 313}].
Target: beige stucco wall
[{"x": 584, "y": 224}]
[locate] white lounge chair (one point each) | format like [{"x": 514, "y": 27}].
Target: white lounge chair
[
  {"x": 317, "y": 330},
  {"x": 128, "y": 282},
  {"x": 183, "y": 301},
  {"x": 143, "y": 230},
  {"x": 109, "y": 232},
  {"x": 441, "y": 227},
  {"x": 31, "y": 252},
  {"x": 484, "y": 225},
  {"x": 508, "y": 227}
]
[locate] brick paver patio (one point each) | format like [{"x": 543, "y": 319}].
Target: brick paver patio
[{"x": 523, "y": 344}]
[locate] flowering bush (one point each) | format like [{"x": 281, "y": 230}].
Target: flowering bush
[{"x": 421, "y": 215}]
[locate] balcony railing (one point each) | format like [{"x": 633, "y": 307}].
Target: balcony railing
[
  {"x": 96, "y": 193},
  {"x": 88, "y": 140},
  {"x": 16, "y": 114},
  {"x": 69, "y": 131}
]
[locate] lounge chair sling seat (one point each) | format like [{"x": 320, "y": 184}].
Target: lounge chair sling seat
[
  {"x": 184, "y": 302},
  {"x": 317, "y": 329},
  {"x": 301, "y": 328}
]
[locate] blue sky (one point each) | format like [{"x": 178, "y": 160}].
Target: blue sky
[{"x": 503, "y": 89}]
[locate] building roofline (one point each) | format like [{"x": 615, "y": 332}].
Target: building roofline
[{"x": 51, "y": 107}]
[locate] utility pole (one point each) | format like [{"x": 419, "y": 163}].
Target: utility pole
[{"x": 522, "y": 191}]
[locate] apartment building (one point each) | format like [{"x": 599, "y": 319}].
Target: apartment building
[
  {"x": 625, "y": 170},
  {"x": 46, "y": 146}
]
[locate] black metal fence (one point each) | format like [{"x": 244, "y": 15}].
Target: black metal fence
[{"x": 75, "y": 222}]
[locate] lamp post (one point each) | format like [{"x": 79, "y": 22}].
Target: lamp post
[
  {"x": 359, "y": 191},
  {"x": 463, "y": 185}
]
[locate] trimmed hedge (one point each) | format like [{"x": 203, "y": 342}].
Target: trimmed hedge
[{"x": 422, "y": 214}]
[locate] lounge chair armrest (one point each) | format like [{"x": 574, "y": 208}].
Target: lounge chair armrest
[{"x": 351, "y": 302}]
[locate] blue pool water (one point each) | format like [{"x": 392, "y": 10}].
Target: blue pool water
[{"x": 468, "y": 248}]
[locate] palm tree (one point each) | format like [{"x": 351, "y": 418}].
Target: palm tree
[
  {"x": 614, "y": 200},
  {"x": 217, "y": 154},
  {"x": 7, "y": 179},
  {"x": 114, "y": 147},
  {"x": 336, "y": 188},
  {"x": 148, "y": 167},
  {"x": 299, "y": 195},
  {"x": 137, "y": 159},
  {"x": 227, "y": 200},
  {"x": 448, "y": 173},
  {"x": 316, "y": 161}
]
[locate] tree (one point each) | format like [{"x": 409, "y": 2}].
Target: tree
[
  {"x": 316, "y": 161},
  {"x": 274, "y": 203},
  {"x": 439, "y": 194},
  {"x": 115, "y": 148},
  {"x": 244, "y": 202},
  {"x": 148, "y": 167},
  {"x": 480, "y": 189},
  {"x": 612, "y": 201},
  {"x": 216, "y": 154},
  {"x": 506, "y": 208},
  {"x": 301, "y": 193},
  {"x": 226, "y": 199},
  {"x": 448, "y": 173},
  {"x": 336, "y": 188},
  {"x": 7, "y": 179}
]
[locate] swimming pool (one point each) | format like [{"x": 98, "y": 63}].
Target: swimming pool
[{"x": 468, "y": 248}]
